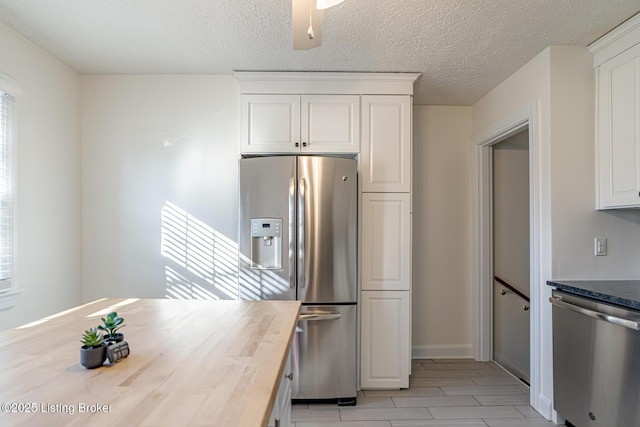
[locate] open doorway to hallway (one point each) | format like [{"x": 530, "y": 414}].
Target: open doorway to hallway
[
  {"x": 511, "y": 254},
  {"x": 540, "y": 369}
]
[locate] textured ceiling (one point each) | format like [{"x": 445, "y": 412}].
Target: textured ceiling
[{"x": 463, "y": 48}]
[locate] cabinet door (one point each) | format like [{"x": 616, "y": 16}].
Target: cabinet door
[
  {"x": 385, "y": 352},
  {"x": 618, "y": 153},
  {"x": 270, "y": 123},
  {"x": 330, "y": 123},
  {"x": 282, "y": 406},
  {"x": 386, "y": 241},
  {"x": 386, "y": 143}
]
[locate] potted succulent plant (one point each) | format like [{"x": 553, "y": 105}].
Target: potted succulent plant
[
  {"x": 94, "y": 350},
  {"x": 110, "y": 326}
]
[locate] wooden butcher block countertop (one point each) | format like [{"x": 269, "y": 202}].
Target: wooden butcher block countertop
[{"x": 196, "y": 363}]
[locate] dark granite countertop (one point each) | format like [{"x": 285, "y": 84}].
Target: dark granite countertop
[{"x": 625, "y": 293}]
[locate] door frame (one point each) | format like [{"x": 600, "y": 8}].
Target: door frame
[{"x": 539, "y": 251}]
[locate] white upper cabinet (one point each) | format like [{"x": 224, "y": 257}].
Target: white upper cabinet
[
  {"x": 386, "y": 143},
  {"x": 311, "y": 124},
  {"x": 270, "y": 123},
  {"x": 330, "y": 123},
  {"x": 617, "y": 61}
]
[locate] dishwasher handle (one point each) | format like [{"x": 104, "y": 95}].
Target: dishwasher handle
[{"x": 595, "y": 314}]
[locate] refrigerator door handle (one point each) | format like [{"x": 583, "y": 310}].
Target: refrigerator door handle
[
  {"x": 320, "y": 316},
  {"x": 301, "y": 230},
  {"x": 292, "y": 232}
]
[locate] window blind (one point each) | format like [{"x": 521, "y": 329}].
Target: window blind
[{"x": 6, "y": 191}]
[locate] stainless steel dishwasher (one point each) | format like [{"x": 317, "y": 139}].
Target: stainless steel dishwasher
[{"x": 596, "y": 362}]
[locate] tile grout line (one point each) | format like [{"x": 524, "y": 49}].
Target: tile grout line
[{"x": 481, "y": 387}]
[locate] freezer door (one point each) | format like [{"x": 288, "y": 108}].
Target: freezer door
[
  {"x": 267, "y": 223},
  {"x": 324, "y": 353},
  {"x": 327, "y": 229}
]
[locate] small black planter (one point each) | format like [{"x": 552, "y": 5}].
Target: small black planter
[{"x": 93, "y": 357}]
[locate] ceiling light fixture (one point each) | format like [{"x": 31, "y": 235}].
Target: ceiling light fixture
[
  {"x": 325, "y": 4},
  {"x": 307, "y": 22}
]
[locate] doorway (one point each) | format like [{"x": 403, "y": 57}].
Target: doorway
[
  {"x": 511, "y": 255},
  {"x": 540, "y": 366}
]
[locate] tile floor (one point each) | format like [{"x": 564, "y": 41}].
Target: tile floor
[{"x": 450, "y": 393}]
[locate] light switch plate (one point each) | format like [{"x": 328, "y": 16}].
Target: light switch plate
[{"x": 600, "y": 246}]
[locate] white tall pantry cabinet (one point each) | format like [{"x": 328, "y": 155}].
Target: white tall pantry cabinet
[
  {"x": 386, "y": 242},
  {"x": 367, "y": 115}
]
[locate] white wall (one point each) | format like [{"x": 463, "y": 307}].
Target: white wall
[
  {"x": 48, "y": 213},
  {"x": 159, "y": 165},
  {"x": 575, "y": 221},
  {"x": 528, "y": 89},
  {"x": 560, "y": 82},
  {"x": 441, "y": 232},
  {"x": 149, "y": 140}
]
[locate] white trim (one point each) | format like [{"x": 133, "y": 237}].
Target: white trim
[
  {"x": 326, "y": 83},
  {"x": 546, "y": 409},
  {"x": 540, "y": 238},
  {"x": 453, "y": 351},
  {"x": 8, "y": 298},
  {"x": 482, "y": 302},
  {"x": 615, "y": 41},
  {"x": 482, "y": 279}
]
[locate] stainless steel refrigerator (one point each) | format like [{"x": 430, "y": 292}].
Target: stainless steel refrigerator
[{"x": 298, "y": 240}]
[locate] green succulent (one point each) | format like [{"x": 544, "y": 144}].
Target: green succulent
[
  {"x": 92, "y": 338},
  {"x": 111, "y": 324}
]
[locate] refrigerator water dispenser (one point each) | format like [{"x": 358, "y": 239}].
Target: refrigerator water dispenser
[{"x": 266, "y": 243}]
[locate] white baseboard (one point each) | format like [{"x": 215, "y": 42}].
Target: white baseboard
[
  {"x": 454, "y": 351},
  {"x": 546, "y": 409}
]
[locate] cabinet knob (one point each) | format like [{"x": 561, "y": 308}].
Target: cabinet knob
[
  {"x": 289, "y": 377},
  {"x": 304, "y": 144},
  {"x": 297, "y": 144},
  {"x": 525, "y": 307}
]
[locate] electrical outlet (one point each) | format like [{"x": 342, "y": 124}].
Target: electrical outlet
[{"x": 600, "y": 246}]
